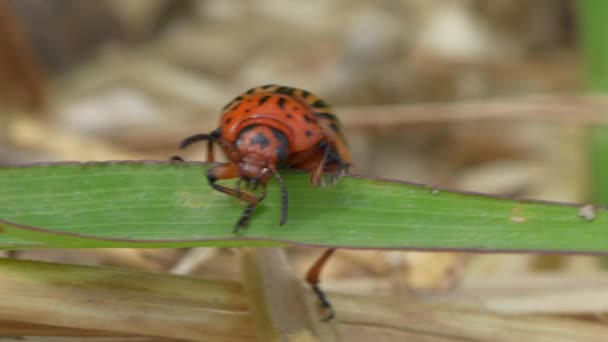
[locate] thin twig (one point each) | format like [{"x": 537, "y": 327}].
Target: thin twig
[
  {"x": 583, "y": 109},
  {"x": 193, "y": 258}
]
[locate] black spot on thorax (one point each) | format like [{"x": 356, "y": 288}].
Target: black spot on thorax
[
  {"x": 308, "y": 133},
  {"x": 282, "y": 151},
  {"x": 260, "y": 139}
]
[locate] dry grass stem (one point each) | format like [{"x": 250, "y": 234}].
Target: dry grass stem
[
  {"x": 110, "y": 302},
  {"x": 278, "y": 300},
  {"x": 193, "y": 258},
  {"x": 560, "y": 108}
]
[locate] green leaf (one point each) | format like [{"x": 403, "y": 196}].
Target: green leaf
[
  {"x": 594, "y": 43},
  {"x": 155, "y": 204}
]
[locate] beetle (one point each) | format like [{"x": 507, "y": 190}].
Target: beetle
[{"x": 272, "y": 127}]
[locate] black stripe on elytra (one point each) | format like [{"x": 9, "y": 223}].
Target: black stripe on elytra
[
  {"x": 307, "y": 118},
  {"x": 281, "y": 102},
  {"x": 305, "y": 93},
  {"x": 328, "y": 116},
  {"x": 319, "y": 104},
  {"x": 334, "y": 127},
  {"x": 263, "y": 99},
  {"x": 251, "y": 91},
  {"x": 282, "y": 150},
  {"x": 285, "y": 90},
  {"x": 236, "y": 99}
]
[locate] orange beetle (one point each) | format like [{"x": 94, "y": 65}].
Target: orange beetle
[{"x": 272, "y": 127}]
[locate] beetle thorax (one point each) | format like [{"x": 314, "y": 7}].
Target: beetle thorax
[{"x": 258, "y": 147}]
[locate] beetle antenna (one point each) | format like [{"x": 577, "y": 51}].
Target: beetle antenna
[{"x": 284, "y": 198}]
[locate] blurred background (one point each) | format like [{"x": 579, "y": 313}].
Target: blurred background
[{"x": 480, "y": 95}]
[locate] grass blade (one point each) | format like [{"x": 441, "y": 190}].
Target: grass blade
[
  {"x": 156, "y": 204},
  {"x": 594, "y": 41}
]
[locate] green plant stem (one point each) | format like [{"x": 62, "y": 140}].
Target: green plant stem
[{"x": 594, "y": 37}]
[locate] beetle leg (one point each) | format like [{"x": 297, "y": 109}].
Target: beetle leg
[
  {"x": 244, "y": 219},
  {"x": 328, "y": 163},
  {"x": 238, "y": 187},
  {"x": 336, "y": 166},
  {"x": 313, "y": 277},
  {"x": 210, "y": 138},
  {"x": 227, "y": 171},
  {"x": 315, "y": 176}
]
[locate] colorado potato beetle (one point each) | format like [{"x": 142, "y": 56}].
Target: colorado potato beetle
[
  {"x": 268, "y": 128},
  {"x": 272, "y": 127}
]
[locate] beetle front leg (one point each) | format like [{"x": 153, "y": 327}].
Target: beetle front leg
[
  {"x": 227, "y": 171},
  {"x": 244, "y": 219}
]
